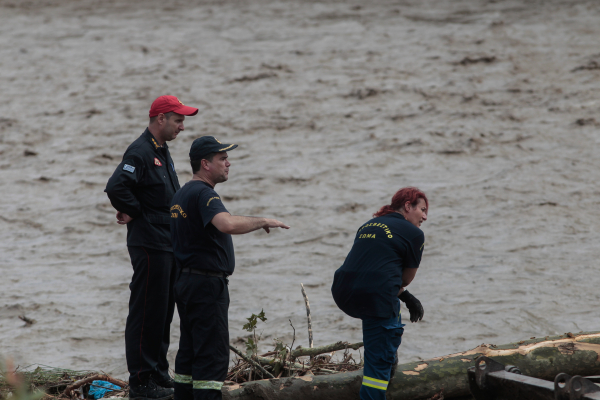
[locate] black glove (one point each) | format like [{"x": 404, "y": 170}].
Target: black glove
[{"x": 413, "y": 305}]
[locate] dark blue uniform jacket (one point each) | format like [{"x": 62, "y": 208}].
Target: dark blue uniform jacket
[
  {"x": 197, "y": 243},
  {"x": 367, "y": 284},
  {"x": 142, "y": 187}
]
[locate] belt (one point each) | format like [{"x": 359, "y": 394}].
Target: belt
[{"x": 205, "y": 272}]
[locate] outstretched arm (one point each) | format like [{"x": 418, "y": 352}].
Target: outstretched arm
[{"x": 237, "y": 224}]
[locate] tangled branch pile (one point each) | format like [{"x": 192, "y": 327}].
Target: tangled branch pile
[
  {"x": 47, "y": 383},
  {"x": 285, "y": 362},
  {"x": 302, "y": 361}
]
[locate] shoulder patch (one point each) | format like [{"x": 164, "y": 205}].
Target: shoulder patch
[
  {"x": 211, "y": 199},
  {"x": 129, "y": 168}
]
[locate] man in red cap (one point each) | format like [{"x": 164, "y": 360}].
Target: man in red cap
[{"x": 141, "y": 189}]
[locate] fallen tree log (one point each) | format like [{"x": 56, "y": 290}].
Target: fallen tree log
[
  {"x": 541, "y": 358},
  {"x": 315, "y": 351},
  {"x": 544, "y": 358}
]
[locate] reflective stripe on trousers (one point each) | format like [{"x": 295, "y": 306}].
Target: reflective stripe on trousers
[
  {"x": 375, "y": 383},
  {"x": 188, "y": 380}
]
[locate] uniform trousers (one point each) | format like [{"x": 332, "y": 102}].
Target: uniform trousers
[
  {"x": 151, "y": 308},
  {"x": 381, "y": 338},
  {"x": 203, "y": 357}
]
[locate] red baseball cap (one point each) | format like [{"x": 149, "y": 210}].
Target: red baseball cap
[{"x": 165, "y": 104}]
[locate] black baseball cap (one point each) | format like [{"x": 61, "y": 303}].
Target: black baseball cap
[{"x": 205, "y": 145}]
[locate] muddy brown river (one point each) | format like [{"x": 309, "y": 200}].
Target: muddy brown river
[{"x": 491, "y": 107}]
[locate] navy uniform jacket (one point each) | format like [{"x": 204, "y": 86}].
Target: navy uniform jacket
[
  {"x": 197, "y": 243},
  {"x": 367, "y": 284},
  {"x": 142, "y": 187}
]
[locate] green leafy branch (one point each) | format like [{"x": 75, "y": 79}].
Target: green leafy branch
[{"x": 252, "y": 343}]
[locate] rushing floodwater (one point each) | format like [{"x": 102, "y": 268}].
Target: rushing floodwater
[{"x": 491, "y": 109}]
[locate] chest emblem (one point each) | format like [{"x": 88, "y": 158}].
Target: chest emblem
[{"x": 157, "y": 162}]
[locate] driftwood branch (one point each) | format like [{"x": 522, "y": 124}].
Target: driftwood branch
[
  {"x": 272, "y": 361},
  {"x": 69, "y": 389},
  {"x": 278, "y": 365},
  {"x": 315, "y": 351},
  {"x": 251, "y": 362},
  {"x": 310, "y": 335},
  {"x": 292, "y": 365}
]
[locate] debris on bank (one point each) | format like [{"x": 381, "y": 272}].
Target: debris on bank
[{"x": 48, "y": 383}]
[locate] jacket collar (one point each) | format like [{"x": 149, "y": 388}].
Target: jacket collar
[{"x": 153, "y": 141}]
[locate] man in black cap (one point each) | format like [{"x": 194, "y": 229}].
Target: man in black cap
[
  {"x": 201, "y": 229},
  {"x": 141, "y": 189}
]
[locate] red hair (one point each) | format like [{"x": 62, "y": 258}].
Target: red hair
[{"x": 410, "y": 194}]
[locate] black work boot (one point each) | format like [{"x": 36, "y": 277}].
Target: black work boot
[
  {"x": 150, "y": 391},
  {"x": 162, "y": 380}
]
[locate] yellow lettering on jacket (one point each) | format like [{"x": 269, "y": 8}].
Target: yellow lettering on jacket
[
  {"x": 385, "y": 228},
  {"x": 178, "y": 208}
]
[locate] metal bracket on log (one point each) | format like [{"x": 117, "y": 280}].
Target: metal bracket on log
[{"x": 490, "y": 380}]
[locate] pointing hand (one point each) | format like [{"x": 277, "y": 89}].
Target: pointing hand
[{"x": 273, "y": 223}]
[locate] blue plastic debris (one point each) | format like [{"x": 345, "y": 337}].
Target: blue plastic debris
[{"x": 99, "y": 388}]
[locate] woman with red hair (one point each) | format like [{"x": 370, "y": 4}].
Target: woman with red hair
[{"x": 370, "y": 284}]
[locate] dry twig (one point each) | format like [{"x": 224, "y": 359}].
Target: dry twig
[{"x": 310, "y": 334}]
